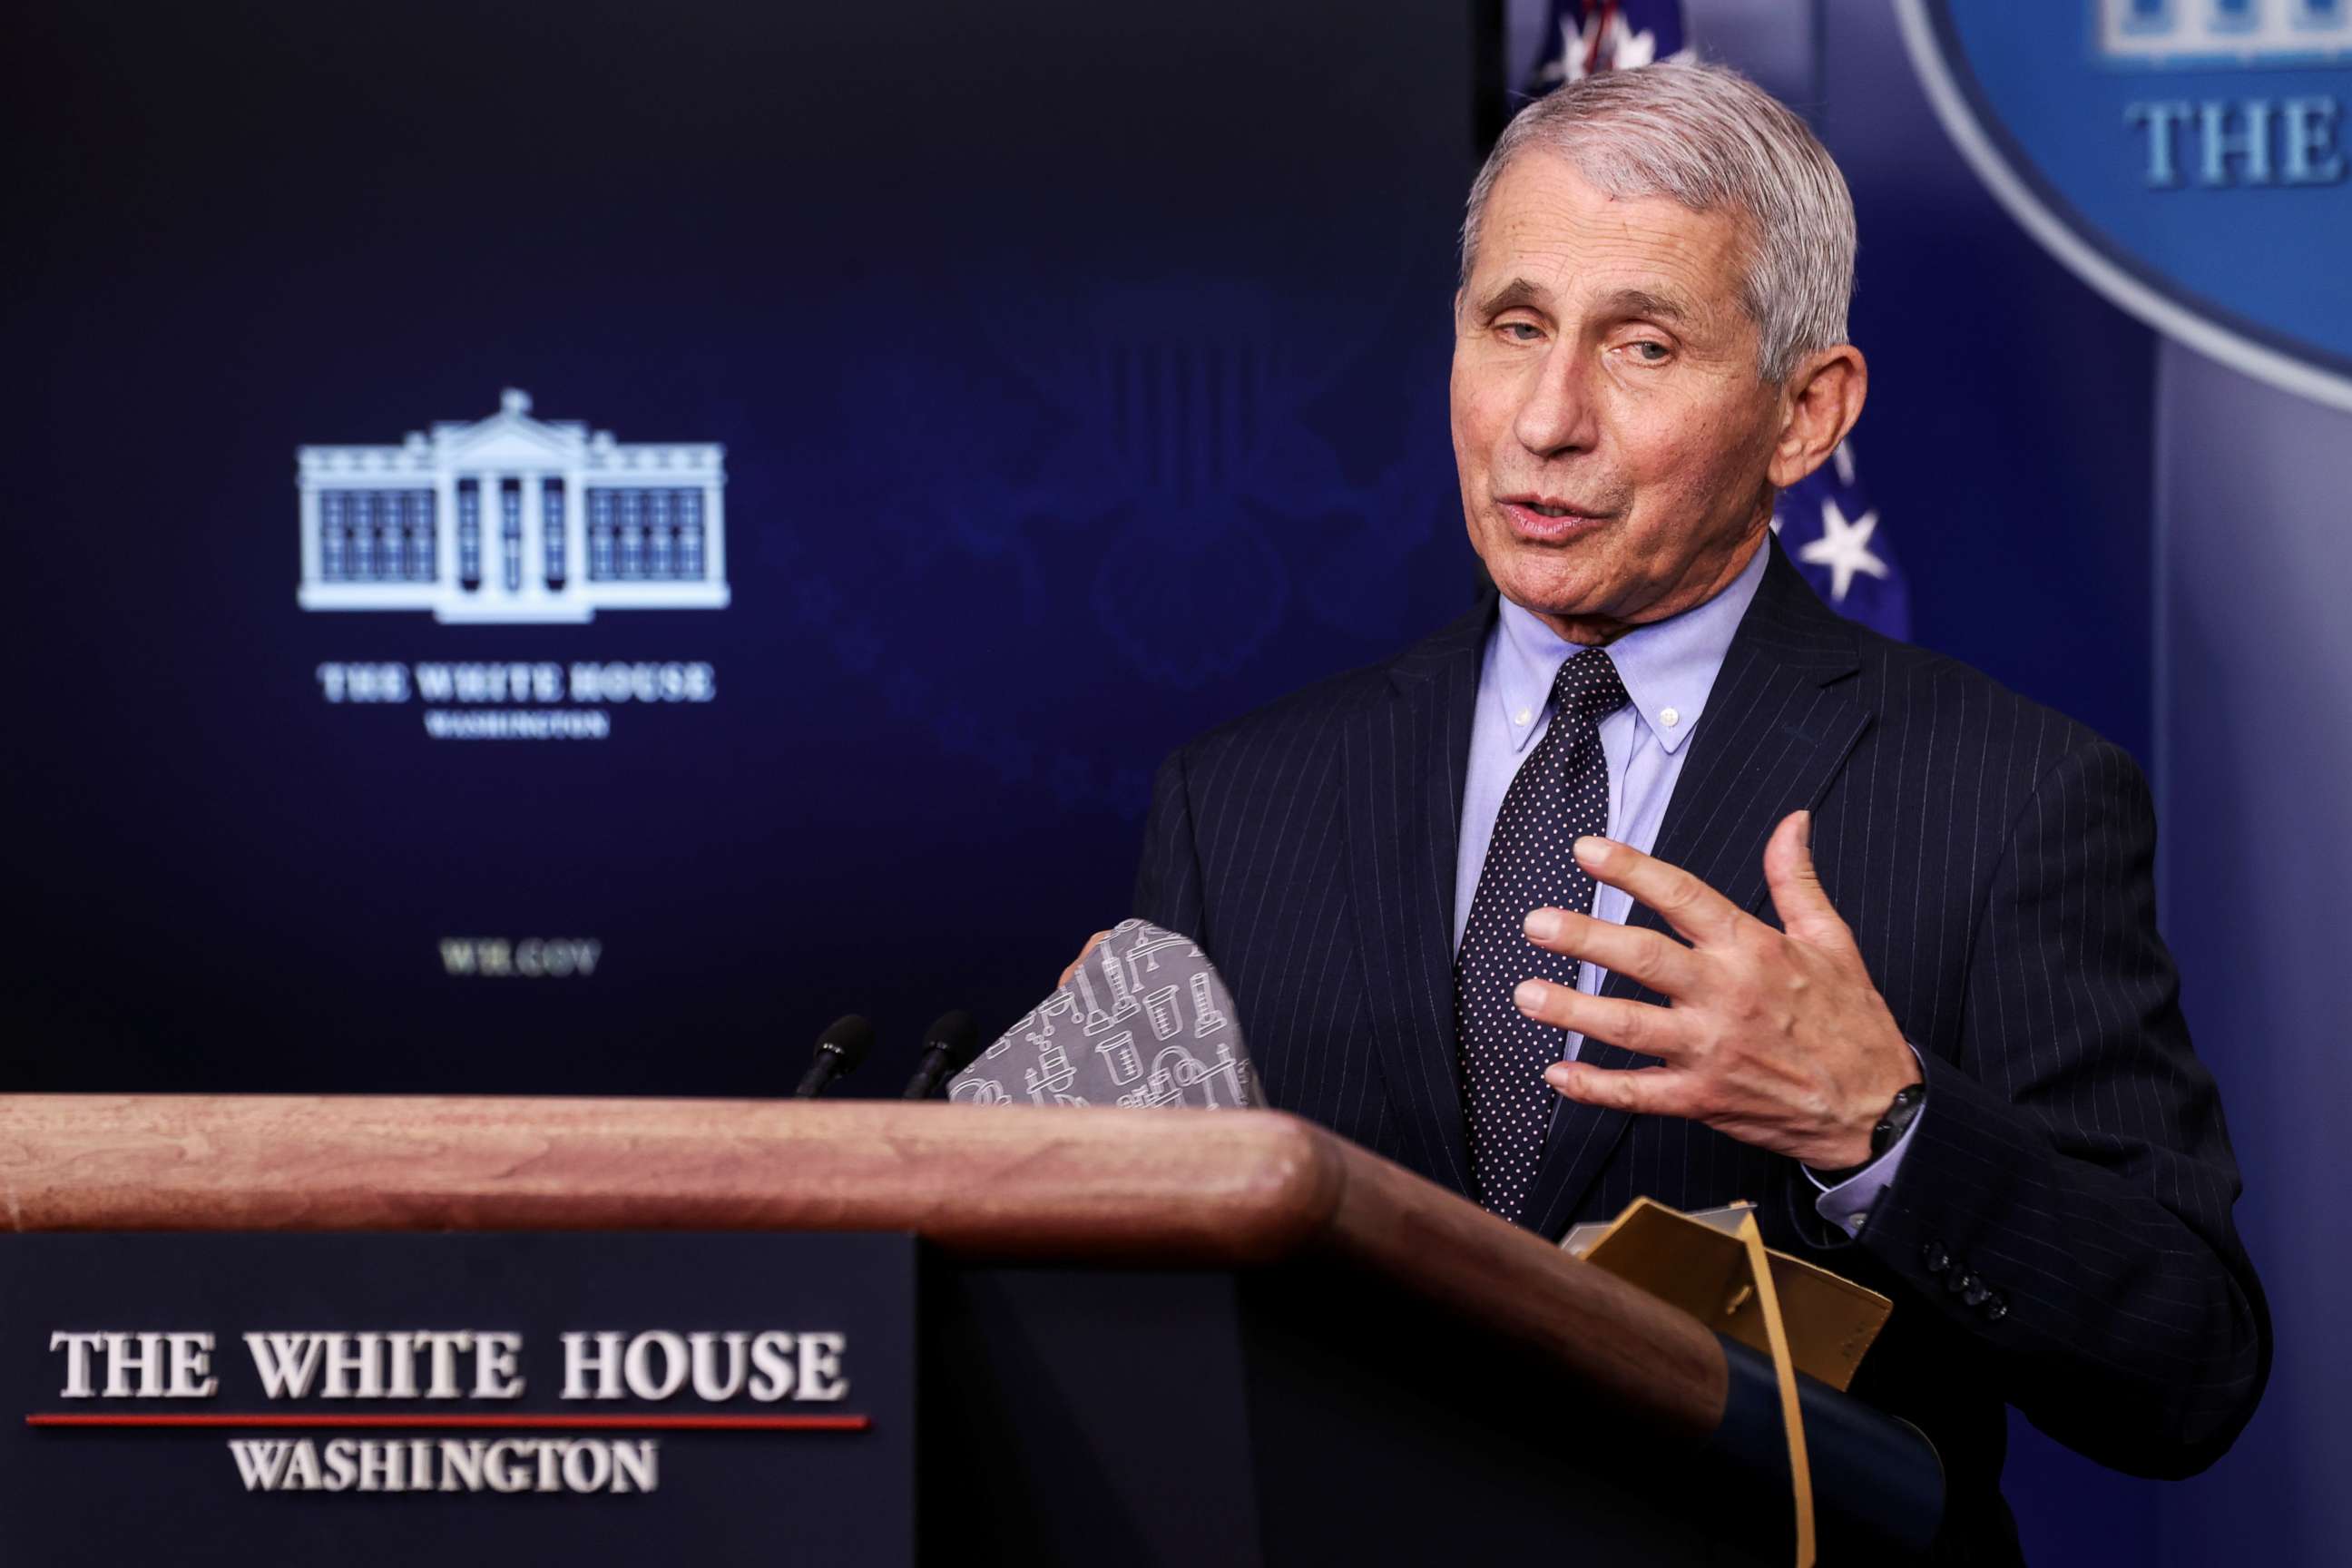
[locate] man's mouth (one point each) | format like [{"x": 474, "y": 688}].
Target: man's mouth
[
  {"x": 1551, "y": 506},
  {"x": 1547, "y": 517}
]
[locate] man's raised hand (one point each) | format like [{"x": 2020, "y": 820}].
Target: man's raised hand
[{"x": 1777, "y": 1039}]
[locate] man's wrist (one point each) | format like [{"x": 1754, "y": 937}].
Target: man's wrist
[{"x": 1884, "y": 1133}]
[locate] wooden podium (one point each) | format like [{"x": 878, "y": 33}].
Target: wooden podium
[{"x": 1177, "y": 1337}]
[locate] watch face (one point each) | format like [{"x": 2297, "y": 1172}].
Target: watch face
[{"x": 1898, "y": 1116}]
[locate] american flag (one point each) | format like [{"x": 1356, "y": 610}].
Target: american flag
[
  {"x": 1830, "y": 530},
  {"x": 1585, "y": 38},
  {"x": 1825, "y": 521}
]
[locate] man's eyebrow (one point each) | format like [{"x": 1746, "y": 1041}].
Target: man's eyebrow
[
  {"x": 1642, "y": 302},
  {"x": 1517, "y": 294}
]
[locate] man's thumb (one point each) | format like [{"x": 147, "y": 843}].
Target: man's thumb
[{"x": 1804, "y": 909}]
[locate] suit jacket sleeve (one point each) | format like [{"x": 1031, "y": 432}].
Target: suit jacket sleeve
[
  {"x": 2073, "y": 1159},
  {"x": 1168, "y": 881}
]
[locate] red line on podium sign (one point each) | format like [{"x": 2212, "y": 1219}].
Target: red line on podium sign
[{"x": 421, "y": 1421}]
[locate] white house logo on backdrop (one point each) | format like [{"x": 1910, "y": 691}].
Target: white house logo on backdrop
[
  {"x": 513, "y": 518},
  {"x": 2188, "y": 159}
]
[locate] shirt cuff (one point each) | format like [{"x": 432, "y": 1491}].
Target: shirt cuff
[{"x": 1847, "y": 1204}]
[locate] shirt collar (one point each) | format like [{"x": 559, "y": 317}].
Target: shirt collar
[{"x": 1668, "y": 666}]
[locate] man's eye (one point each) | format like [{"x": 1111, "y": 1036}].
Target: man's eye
[
  {"x": 1651, "y": 353},
  {"x": 1522, "y": 331}
]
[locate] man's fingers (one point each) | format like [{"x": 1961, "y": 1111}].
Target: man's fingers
[
  {"x": 1697, "y": 910},
  {"x": 1093, "y": 942},
  {"x": 1658, "y": 961},
  {"x": 1644, "y": 1092},
  {"x": 1636, "y": 1026},
  {"x": 1805, "y": 911}
]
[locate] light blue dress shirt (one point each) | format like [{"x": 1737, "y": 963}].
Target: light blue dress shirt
[{"x": 1669, "y": 668}]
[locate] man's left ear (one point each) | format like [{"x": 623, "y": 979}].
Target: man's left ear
[{"x": 1819, "y": 403}]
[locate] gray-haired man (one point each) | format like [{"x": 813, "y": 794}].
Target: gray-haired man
[{"x": 1653, "y": 877}]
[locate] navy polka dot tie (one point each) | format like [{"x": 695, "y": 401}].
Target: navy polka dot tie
[{"x": 1561, "y": 793}]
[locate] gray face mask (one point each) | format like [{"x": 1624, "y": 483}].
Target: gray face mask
[{"x": 1145, "y": 1021}]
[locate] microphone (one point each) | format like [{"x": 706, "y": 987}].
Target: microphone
[
  {"x": 1145, "y": 1021},
  {"x": 839, "y": 1049},
  {"x": 949, "y": 1046}
]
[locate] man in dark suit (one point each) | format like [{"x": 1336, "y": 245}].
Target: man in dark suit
[{"x": 1651, "y": 876}]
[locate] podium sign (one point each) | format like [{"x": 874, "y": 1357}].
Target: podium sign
[{"x": 454, "y": 1399}]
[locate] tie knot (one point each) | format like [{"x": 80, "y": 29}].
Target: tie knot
[{"x": 1588, "y": 686}]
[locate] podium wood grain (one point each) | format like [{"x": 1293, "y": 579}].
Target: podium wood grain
[{"x": 1164, "y": 1188}]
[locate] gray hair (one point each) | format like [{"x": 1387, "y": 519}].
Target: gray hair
[{"x": 1710, "y": 140}]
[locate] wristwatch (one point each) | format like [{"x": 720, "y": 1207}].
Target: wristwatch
[{"x": 1887, "y": 1132}]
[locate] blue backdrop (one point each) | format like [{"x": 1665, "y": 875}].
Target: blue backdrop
[{"x": 1080, "y": 374}]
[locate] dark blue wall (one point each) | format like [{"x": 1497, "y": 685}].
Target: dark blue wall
[
  {"x": 2031, "y": 422},
  {"x": 2010, "y": 434},
  {"x": 1081, "y": 376}
]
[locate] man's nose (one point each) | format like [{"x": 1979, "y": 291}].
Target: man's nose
[{"x": 1558, "y": 414}]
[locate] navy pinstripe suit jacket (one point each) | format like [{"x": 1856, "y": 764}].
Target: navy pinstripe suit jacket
[{"x": 1995, "y": 861}]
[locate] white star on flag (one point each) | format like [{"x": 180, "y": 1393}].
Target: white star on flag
[{"x": 1844, "y": 548}]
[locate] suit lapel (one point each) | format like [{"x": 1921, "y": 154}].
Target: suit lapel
[
  {"x": 1407, "y": 757},
  {"x": 1770, "y": 742}
]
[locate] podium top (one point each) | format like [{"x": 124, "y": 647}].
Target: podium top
[{"x": 1225, "y": 1189}]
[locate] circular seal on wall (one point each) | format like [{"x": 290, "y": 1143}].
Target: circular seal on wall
[{"x": 2187, "y": 158}]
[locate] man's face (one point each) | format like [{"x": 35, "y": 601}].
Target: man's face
[{"x": 1610, "y": 430}]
